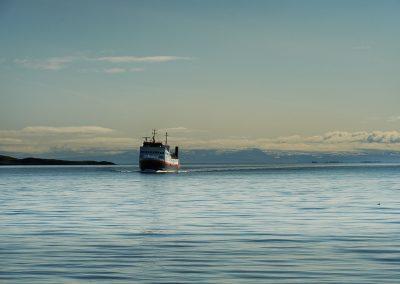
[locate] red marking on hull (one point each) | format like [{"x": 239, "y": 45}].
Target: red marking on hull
[{"x": 156, "y": 165}]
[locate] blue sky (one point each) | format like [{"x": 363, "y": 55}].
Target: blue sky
[{"x": 224, "y": 73}]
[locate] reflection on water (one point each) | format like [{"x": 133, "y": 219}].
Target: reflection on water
[{"x": 224, "y": 224}]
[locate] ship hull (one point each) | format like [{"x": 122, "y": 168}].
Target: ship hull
[{"x": 152, "y": 165}]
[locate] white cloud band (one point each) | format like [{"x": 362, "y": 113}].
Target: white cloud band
[
  {"x": 43, "y": 130},
  {"x": 35, "y": 139},
  {"x": 57, "y": 63},
  {"x": 135, "y": 59},
  {"x": 53, "y": 63}
]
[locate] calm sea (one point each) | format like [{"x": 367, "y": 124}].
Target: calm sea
[{"x": 221, "y": 224}]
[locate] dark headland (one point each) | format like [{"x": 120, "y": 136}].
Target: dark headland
[{"x": 11, "y": 161}]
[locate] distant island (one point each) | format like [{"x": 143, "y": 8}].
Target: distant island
[{"x": 11, "y": 161}]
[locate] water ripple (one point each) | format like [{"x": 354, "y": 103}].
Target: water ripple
[{"x": 220, "y": 224}]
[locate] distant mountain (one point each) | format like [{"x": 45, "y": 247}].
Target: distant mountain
[
  {"x": 257, "y": 156},
  {"x": 122, "y": 158},
  {"x": 245, "y": 156},
  {"x": 11, "y": 161},
  {"x": 242, "y": 156}
]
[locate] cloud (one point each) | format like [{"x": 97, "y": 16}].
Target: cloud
[
  {"x": 42, "y": 139},
  {"x": 66, "y": 130},
  {"x": 53, "y": 63},
  {"x": 136, "y": 59},
  {"x": 106, "y": 143},
  {"x": 10, "y": 141},
  {"x": 57, "y": 63},
  {"x": 334, "y": 141},
  {"x": 116, "y": 70},
  {"x": 383, "y": 137},
  {"x": 387, "y": 137},
  {"x": 178, "y": 129}
]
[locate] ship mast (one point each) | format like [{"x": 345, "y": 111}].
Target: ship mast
[
  {"x": 154, "y": 136},
  {"x": 166, "y": 138}
]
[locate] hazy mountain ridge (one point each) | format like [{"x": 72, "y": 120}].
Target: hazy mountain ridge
[
  {"x": 243, "y": 156},
  {"x": 11, "y": 161}
]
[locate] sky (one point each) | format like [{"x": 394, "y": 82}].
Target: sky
[{"x": 276, "y": 75}]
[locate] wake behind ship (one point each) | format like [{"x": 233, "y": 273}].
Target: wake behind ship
[{"x": 156, "y": 156}]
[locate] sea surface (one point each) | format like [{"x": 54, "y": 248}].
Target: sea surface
[{"x": 205, "y": 224}]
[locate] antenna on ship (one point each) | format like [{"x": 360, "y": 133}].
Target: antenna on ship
[
  {"x": 166, "y": 138},
  {"x": 154, "y": 135},
  {"x": 145, "y": 138}
]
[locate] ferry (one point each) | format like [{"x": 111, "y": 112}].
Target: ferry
[{"x": 156, "y": 156}]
